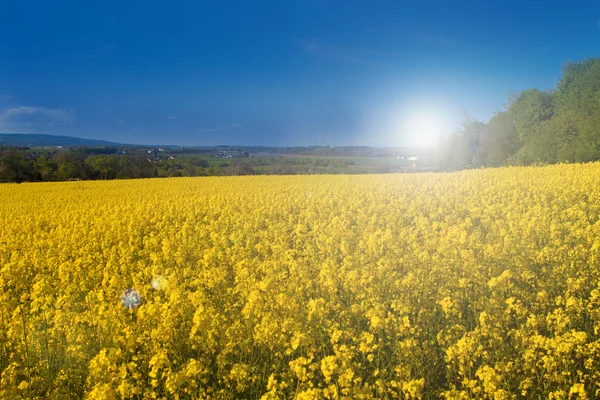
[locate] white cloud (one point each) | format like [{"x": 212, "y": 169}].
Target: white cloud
[
  {"x": 210, "y": 130},
  {"x": 5, "y": 97},
  {"x": 36, "y": 118}
]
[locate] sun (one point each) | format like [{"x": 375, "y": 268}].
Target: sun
[{"x": 424, "y": 129}]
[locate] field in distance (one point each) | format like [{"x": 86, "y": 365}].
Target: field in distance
[
  {"x": 262, "y": 163},
  {"x": 475, "y": 284}
]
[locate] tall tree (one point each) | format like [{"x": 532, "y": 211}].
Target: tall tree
[
  {"x": 499, "y": 141},
  {"x": 460, "y": 148},
  {"x": 15, "y": 167},
  {"x": 579, "y": 87},
  {"x": 71, "y": 165},
  {"x": 530, "y": 109}
]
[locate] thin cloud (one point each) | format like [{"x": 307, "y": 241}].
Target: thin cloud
[
  {"x": 20, "y": 118},
  {"x": 210, "y": 130},
  {"x": 5, "y": 97},
  {"x": 237, "y": 126}
]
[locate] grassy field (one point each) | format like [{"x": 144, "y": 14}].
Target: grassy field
[{"x": 349, "y": 164}]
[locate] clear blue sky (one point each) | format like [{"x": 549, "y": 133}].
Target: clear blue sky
[{"x": 293, "y": 72}]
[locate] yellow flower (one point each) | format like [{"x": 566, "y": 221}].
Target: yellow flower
[{"x": 465, "y": 285}]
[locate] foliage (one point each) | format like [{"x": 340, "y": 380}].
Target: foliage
[
  {"x": 538, "y": 126},
  {"x": 16, "y": 168},
  {"x": 463, "y": 148},
  {"x": 531, "y": 108},
  {"x": 106, "y": 164},
  {"x": 499, "y": 141},
  {"x": 477, "y": 284}
]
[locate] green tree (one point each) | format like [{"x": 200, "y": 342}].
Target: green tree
[
  {"x": 499, "y": 141},
  {"x": 103, "y": 166},
  {"x": 460, "y": 149},
  {"x": 579, "y": 87},
  {"x": 71, "y": 165},
  {"x": 239, "y": 167},
  {"x": 47, "y": 167},
  {"x": 140, "y": 167},
  {"x": 17, "y": 168},
  {"x": 528, "y": 111},
  {"x": 578, "y": 105}
]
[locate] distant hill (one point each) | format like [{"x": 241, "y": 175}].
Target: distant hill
[{"x": 35, "y": 139}]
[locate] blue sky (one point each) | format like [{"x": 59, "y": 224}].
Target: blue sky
[{"x": 297, "y": 72}]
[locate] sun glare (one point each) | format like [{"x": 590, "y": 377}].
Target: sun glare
[{"x": 423, "y": 129}]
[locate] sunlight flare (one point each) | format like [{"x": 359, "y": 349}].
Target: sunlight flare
[{"x": 424, "y": 128}]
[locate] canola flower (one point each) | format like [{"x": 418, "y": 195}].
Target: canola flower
[{"x": 480, "y": 284}]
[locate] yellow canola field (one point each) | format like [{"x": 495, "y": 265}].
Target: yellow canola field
[{"x": 482, "y": 284}]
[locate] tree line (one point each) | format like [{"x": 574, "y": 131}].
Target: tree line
[
  {"x": 536, "y": 126},
  {"x": 25, "y": 165}
]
